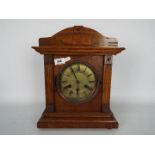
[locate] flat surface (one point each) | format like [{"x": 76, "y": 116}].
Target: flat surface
[{"x": 22, "y": 119}]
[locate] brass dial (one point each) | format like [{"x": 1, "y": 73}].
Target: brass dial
[{"x": 77, "y": 83}]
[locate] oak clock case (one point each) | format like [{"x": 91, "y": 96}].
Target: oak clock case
[{"x": 78, "y": 91}]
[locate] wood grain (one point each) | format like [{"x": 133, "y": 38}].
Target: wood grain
[
  {"x": 78, "y": 50},
  {"x": 77, "y": 120},
  {"x": 75, "y": 36},
  {"x": 107, "y": 73},
  {"x": 49, "y": 82}
]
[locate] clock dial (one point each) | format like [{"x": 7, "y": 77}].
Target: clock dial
[{"x": 77, "y": 83}]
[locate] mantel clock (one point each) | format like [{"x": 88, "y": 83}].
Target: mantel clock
[{"x": 78, "y": 67}]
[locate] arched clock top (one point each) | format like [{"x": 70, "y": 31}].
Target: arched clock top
[
  {"x": 78, "y": 36},
  {"x": 78, "y": 40}
]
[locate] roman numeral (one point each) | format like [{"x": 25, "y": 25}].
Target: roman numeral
[
  {"x": 89, "y": 75},
  {"x": 85, "y": 69},
  {"x": 91, "y": 81},
  {"x": 68, "y": 86},
  {"x": 77, "y": 91},
  {"x": 88, "y": 87}
]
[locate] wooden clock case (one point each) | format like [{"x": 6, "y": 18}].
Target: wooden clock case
[{"x": 87, "y": 46}]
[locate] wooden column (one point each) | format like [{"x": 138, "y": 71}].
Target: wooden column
[
  {"x": 49, "y": 82},
  {"x": 106, "y": 86}
]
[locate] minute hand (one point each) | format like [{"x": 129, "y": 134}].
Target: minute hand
[{"x": 75, "y": 75}]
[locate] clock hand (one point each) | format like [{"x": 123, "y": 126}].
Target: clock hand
[{"x": 77, "y": 81}]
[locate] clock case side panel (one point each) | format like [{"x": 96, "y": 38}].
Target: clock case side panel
[
  {"x": 106, "y": 86},
  {"x": 49, "y": 83}
]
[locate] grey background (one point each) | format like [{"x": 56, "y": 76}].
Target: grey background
[{"x": 22, "y": 75}]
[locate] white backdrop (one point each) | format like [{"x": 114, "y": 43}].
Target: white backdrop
[{"x": 21, "y": 68}]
